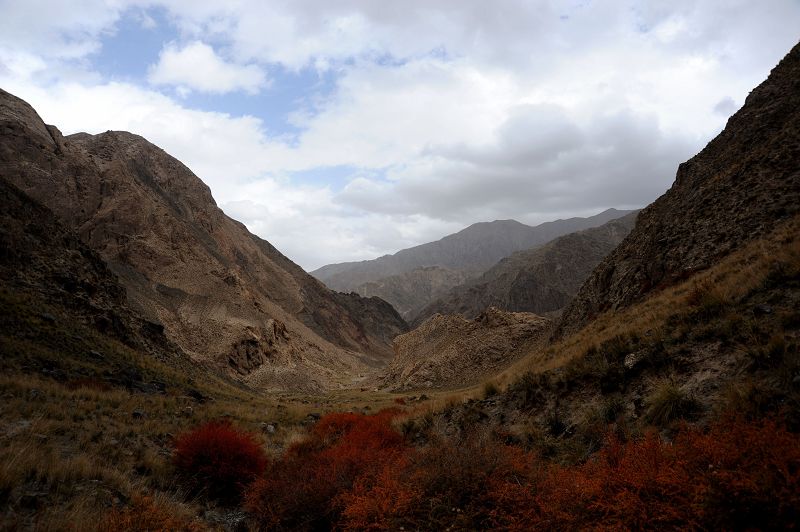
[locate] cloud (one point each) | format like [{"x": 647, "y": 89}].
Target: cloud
[
  {"x": 726, "y": 106},
  {"x": 56, "y": 29},
  {"x": 541, "y": 164},
  {"x": 197, "y": 66},
  {"x": 448, "y": 112}
]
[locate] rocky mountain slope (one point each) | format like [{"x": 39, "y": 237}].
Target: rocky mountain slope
[
  {"x": 42, "y": 261},
  {"x": 471, "y": 250},
  {"x": 409, "y": 292},
  {"x": 538, "y": 280},
  {"x": 225, "y": 296},
  {"x": 737, "y": 189},
  {"x": 450, "y": 351}
]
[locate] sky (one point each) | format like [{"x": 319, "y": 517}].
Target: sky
[{"x": 344, "y": 130}]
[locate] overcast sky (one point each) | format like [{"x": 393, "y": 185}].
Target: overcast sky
[{"x": 345, "y": 130}]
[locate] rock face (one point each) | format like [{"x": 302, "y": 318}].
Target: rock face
[
  {"x": 471, "y": 251},
  {"x": 222, "y": 294},
  {"x": 42, "y": 259},
  {"x": 738, "y": 188},
  {"x": 450, "y": 351},
  {"x": 539, "y": 280},
  {"x": 410, "y": 292}
]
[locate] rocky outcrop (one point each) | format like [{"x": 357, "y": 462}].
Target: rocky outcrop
[
  {"x": 470, "y": 251},
  {"x": 738, "y": 188},
  {"x": 450, "y": 351},
  {"x": 539, "y": 280},
  {"x": 185, "y": 265}
]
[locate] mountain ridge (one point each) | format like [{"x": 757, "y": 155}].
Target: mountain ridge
[
  {"x": 221, "y": 293},
  {"x": 539, "y": 280},
  {"x": 472, "y": 250}
]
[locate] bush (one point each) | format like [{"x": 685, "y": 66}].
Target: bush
[
  {"x": 602, "y": 365},
  {"x": 735, "y": 476},
  {"x": 490, "y": 389},
  {"x": 468, "y": 484},
  {"x": 305, "y": 489},
  {"x": 217, "y": 460},
  {"x": 355, "y": 473},
  {"x": 707, "y": 300},
  {"x": 768, "y": 356},
  {"x": 529, "y": 390},
  {"x": 669, "y": 402}
]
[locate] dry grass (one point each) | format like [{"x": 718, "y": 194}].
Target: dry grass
[
  {"x": 669, "y": 402},
  {"x": 67, "y": 456},
  {"x": 732, "y": 279}
]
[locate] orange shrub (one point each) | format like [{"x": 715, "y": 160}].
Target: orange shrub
[
  {"x": 306, "y": 488},
  {"x": 749, "y": 472},
  {"x": 218, "y": 460},
  {"x": 469, "y": 484},
  {"x": 736, "y": 475},
  {"x": 356, "y": 473}
]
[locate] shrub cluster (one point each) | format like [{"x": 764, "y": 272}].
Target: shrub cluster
[
  {"x": 219, "y": 461},
  {"x": 356, "y": 472},
  {"x": 310, "y": 486}
]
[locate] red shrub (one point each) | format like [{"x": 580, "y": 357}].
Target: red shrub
[
  {"x": 305, "y": 489},
  {"x": 376, "y": 502},
  {"x": 472, "y": 484},
  {"x": 736, "y": 475},
  {"x": 356, "y": 473},
  {"x": 750, "y": 474},
  {"x": 218, "y": 460}
]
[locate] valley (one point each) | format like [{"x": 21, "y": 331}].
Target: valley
[{"x": 163, "y": 368}]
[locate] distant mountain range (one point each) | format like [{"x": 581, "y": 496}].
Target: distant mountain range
[
  {"x": 412, "y": 278},
  {"x": 410, "y": 292},
  {"x": 474, "y": 250},
  {"x": 539, "y": 280}
]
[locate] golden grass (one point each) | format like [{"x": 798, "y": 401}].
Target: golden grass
[
  {"x": 731, "y": 279},
  {"x": 68, "y": 455}
]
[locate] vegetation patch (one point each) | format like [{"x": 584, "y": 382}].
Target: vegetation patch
[
  {"x": 669, "y": 402},
  {"x": 218, "y": 460}
]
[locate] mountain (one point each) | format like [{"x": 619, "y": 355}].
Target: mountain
[
  {"x": 42, "y": 262},
  {"x": 449, "y": 351},
  {"x": 538, "y": 280},
  {"x": 228, "y": 298},
  {"x": 409, "y": 292},
  {"x": 743, "y": 184},
  {"x": 471, "y": 250}
]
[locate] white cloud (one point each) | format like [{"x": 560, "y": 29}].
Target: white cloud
[
  {"x": 449, "y": 111},
  {"x": 56, "y": 29},
  {"x": 197, "y": 66}
]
